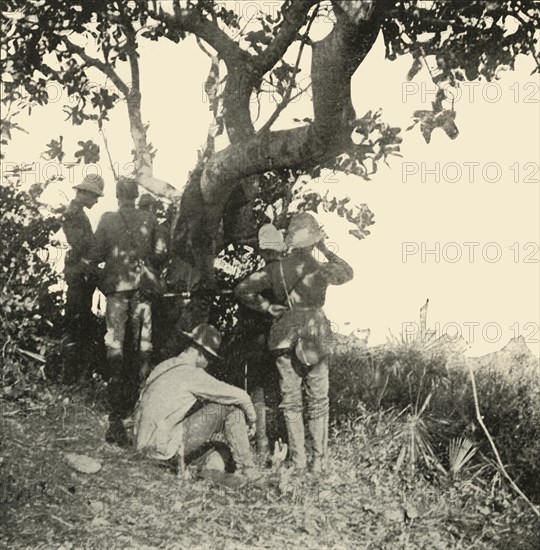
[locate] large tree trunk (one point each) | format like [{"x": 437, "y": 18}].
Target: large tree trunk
[
  {"x": 334, "y": 61},
  {"x": 214, "y": 185}
]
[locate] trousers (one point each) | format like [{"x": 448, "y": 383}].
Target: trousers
[
  {"x": 79, "y": 324},
  {"x": 127, "y": 310},
  {"x": 216, "y": 422},
  {"x": 293, "y": 378}
]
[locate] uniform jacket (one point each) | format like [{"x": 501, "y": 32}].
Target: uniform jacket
[
  {"x": 306, "y": 281},
  {"x": 170, "y": 391},
  {"x": 80, "y": 238},
  {"x": 123, "y": 240}
]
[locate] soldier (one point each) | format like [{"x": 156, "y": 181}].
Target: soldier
[
  {"x": 79, "y": 278},
  {"x": 165, "y": 424},
  {"x": 129, "y": 243},
  {"x": 299, "y": 331},
  {"x": 255, "y": 327}
]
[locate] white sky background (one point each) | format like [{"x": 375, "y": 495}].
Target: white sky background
[{"x": 498, "y": 123}]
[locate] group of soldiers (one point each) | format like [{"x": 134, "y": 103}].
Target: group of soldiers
[{"x": 177, "y": 406}]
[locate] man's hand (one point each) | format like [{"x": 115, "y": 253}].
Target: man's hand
[
  {"x": 251, "y": 430},
  {"x": 321, "y": 245},
  {"x": 276, "y": 310}
]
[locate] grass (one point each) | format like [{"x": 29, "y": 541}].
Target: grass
[{"x": 132, "y": 503}]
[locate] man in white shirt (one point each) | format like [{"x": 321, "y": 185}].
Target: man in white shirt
[{"x": 162, "y": 430}]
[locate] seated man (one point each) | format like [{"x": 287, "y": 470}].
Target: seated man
[{"x": 163, "y": 430}]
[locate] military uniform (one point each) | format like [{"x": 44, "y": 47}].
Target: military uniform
[
  {"x": 165, "y": 424},
  {"x": 81, "y": 283},
  {"x": 299, "y": 282},
  {"x": 124, "y": 240}
]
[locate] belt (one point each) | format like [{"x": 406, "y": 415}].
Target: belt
[{"x": 281, "y": 351}]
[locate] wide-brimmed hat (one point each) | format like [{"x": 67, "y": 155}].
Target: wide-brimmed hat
[
  {"x": 92, "y": 183},
  {"x": 271, "y": 238},
  {"x": 304, "y": 231},
  {"x": 207, "y": 337},
  {"x": 127, "y": 188}
]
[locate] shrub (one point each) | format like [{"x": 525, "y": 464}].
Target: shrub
[
  {"x": 400, "y": 377},
  {"x": 29, "y": 311}
]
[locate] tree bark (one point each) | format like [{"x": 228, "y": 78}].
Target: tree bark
[{"x": 334, "y": 61}]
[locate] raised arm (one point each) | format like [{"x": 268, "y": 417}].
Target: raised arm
[{"x": 337, "y": 271}]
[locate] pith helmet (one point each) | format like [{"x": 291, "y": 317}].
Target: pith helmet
[
  {"x": 147, "y": 201},
  {"x": 92, "y": 183},
  {"x": 207, "y": 337},
  {"x": 303, "y": 231},
  {"x": 127, "y": 188},
  {"x": 271, "y": 238}
]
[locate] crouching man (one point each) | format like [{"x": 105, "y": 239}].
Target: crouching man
[{"x": 163, "y": 429}]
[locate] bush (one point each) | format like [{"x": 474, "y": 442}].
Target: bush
[
  {"x": 30, "y": 312},
  {"x": 510, "y": 405},
  {"x": 402, "y": 378}
]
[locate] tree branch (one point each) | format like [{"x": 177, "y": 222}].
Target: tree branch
[
  {"x": 334, "y": 61},
  {"x": 287, "y": 98},
  {"x": 105, "y": 68},
  {"x": 133, "y": 56},
  {"x": 294, "y": 17},
  {"x": 186, "y": 20}
]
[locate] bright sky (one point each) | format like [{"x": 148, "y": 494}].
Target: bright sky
[{"x": 481, "y": 189}]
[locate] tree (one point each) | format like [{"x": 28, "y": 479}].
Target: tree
[{"x": 65, "y": 40}]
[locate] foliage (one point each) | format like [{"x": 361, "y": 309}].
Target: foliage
[
  {"x": 432, "y": 407},
  {"x": 460, "y": 452},
  {"x": 509, "y": 401},
  {"x": 29, "y": 311},
  {"x": 461, "y": 40}
]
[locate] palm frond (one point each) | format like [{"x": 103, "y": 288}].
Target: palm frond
[{"x": 460, "y": 451}]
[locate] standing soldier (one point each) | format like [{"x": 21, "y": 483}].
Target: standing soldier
[
  {"x": 80, "y": 281},
  {"x": 299, "y": 331},
  {"x": 129, "y": 243},
  {"x": 255, "y": 327}
]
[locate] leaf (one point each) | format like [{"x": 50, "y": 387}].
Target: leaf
[
  {"x": 460, "y": 452},
  {"x": 55, "y": 149},
  {"x": 415, "y": 68},
  {"x": 89, "y": 152}
]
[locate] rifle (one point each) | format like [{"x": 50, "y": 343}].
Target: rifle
[{"x": 189, "y": 294}]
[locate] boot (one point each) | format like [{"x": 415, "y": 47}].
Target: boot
[
  {"x": 144, "y": 367},
  {"x": 318, "y": 429},
  {"x": 295, "y": 432},
  {"x": 116, "y": 434},
  {"x": 316, "y": 465},
  {"x": 236, "y": 434},
  {"x": 261, "y": 438}
]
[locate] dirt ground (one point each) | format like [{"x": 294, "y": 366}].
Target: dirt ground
[{"x": 135, "y": 503}]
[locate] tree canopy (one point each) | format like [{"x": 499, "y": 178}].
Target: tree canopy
[{"x": 65, "y": 41}]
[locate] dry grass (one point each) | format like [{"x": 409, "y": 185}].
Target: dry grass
[{"x": 132, "y": 503}]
